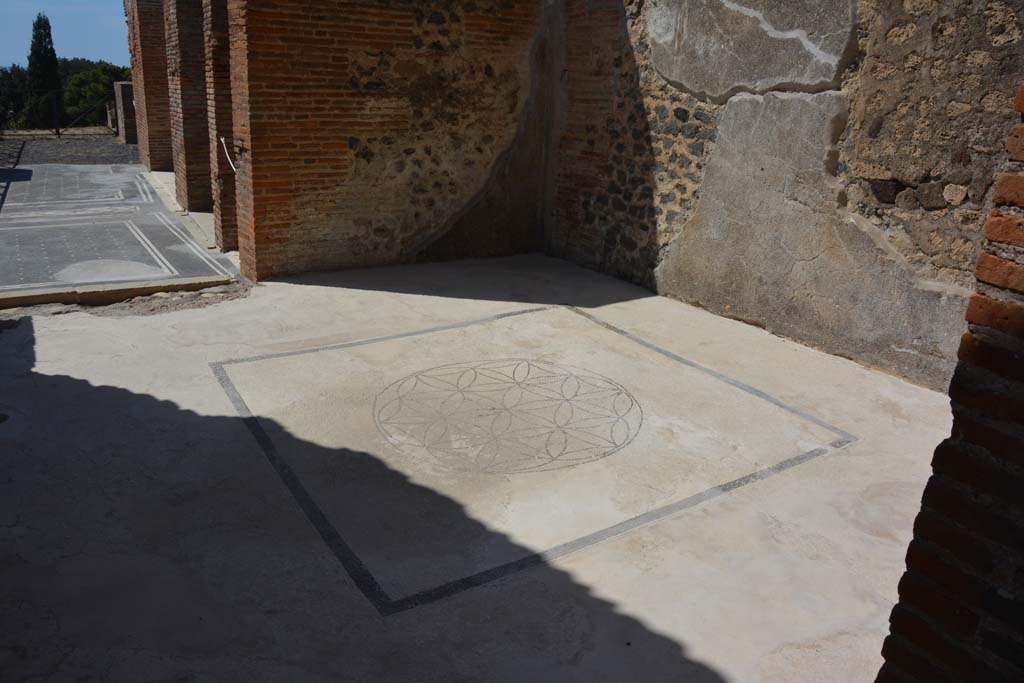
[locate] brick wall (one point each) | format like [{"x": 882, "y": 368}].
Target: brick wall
[
  {"x": 124, "y": 98},
  {"x": 186, "y": 83},
  {"x": 961, "y": 610},
  {"x": 238, "y": 50},
  {"x": 218, "y": 106},
  {"x": 630, "y": 148},
  {"x": 364, "y": 127},
  {"x": 149, "y": 78}
]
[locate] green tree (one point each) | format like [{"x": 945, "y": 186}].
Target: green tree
[
  {"x": 73, "y": 66},
  {"x": 86, "y": 91},
  {"x": 44, "y": 84},
  {"x": 13, "y": 95}
]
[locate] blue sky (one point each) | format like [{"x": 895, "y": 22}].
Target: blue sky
[{"x": 81, "y": 28}]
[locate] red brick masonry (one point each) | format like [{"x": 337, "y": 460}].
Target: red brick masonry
[
  {"x": 218, "y": 105},
  {"x": 186, "y": 81},
  {"x": 149, "y": 79},
  {"x": 361, "y": 126}
]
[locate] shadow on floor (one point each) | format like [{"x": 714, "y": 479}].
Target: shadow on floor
[
  {"x": 88, "y": 150},
  {"x": 538, "y": 279},
  {"x": 8, "y": 176},
  {"x": 10, "y": 156},
  {"x": 142, "y": 541},
  {"x": 10, "y": 152}
]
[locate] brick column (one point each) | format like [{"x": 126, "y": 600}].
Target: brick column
[
  {"x": 124, "y": 98},
  {"x": 238, "y": 40},
  {"x": 149, "y": 78},
  {"x": 960, "y": 615},
  {"x": 218, "y": 104},
  {"x": 186, "y": 80}
]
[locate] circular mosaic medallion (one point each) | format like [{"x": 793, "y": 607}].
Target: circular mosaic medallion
[{"x": 507, "y": 416}]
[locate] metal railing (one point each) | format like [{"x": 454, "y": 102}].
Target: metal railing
[{"x": 56, "y": 102}]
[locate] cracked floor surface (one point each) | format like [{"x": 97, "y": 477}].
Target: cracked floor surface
[{"x": 235, "y": 492}]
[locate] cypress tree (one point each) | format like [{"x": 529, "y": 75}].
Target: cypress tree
[{"x": 43, "y": 76}]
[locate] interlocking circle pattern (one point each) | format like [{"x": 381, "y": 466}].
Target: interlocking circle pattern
[{"x": 507, "y": 416}]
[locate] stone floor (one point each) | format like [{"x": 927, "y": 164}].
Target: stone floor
[
  {"x": 65, "y": 226},
  {"x": 72, "y": 148},
  {"x": 503, "y": 470}
]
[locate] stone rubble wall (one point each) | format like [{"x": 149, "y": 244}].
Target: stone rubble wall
[
  {"x": 790, "y": 163},
  {"x": 962, "y": 597},
  {"x": 630, "y": 149},
  {"x": 930, "y": 105}
]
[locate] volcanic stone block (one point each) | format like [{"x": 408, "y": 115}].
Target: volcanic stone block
[
  {"x": 930, "y": 195},
  {"x": 715, "y": 48}
]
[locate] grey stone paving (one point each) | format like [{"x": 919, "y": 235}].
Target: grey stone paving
[
  {"x": 90, "y": 149},
  {"x": 63, "y": 226}
]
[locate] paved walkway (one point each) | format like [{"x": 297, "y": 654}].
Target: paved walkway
[
  {"x": 63, "y": 227},
  {"x": 501, "y": 470},
  {"x": 72, "y": 148}
]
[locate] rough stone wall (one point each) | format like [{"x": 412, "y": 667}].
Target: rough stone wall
[
  {"x": 124, "y": 99},
  {"x": 219, "y": 123},
  {"x": 365, "y": 129},
  {"x": 630, "y": 150},
  {"x": 505, "y": 217},
  {"x": 186, "y": 81},
  {"x": 811, "y": 183},
  {"x": 929, "y": 113},
  {"x": 149, "y": 78},
  {"x": 959, "y": 616}
]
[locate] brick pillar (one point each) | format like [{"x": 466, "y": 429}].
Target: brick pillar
[
  {"x": 238, "y": 40},
  {"x": 186, "y": 81},
  {"x": 960, "y": 615},
  {"x": 149, "y": 78},
  {"x": 124, "y": 97},
  {"x": 218, "y": 104}
]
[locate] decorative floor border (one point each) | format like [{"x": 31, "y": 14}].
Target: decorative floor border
[
  {"x": 360, "y": 573},
  {"x": 106, "y": 211},
  {"x": 158, "y": 258}
]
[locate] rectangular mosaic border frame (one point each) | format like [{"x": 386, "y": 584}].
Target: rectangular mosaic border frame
[
  {"x": 147, "y": 245},
  {"x": 103, "y": 213},
  {"x": 360, "y": 573}
]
